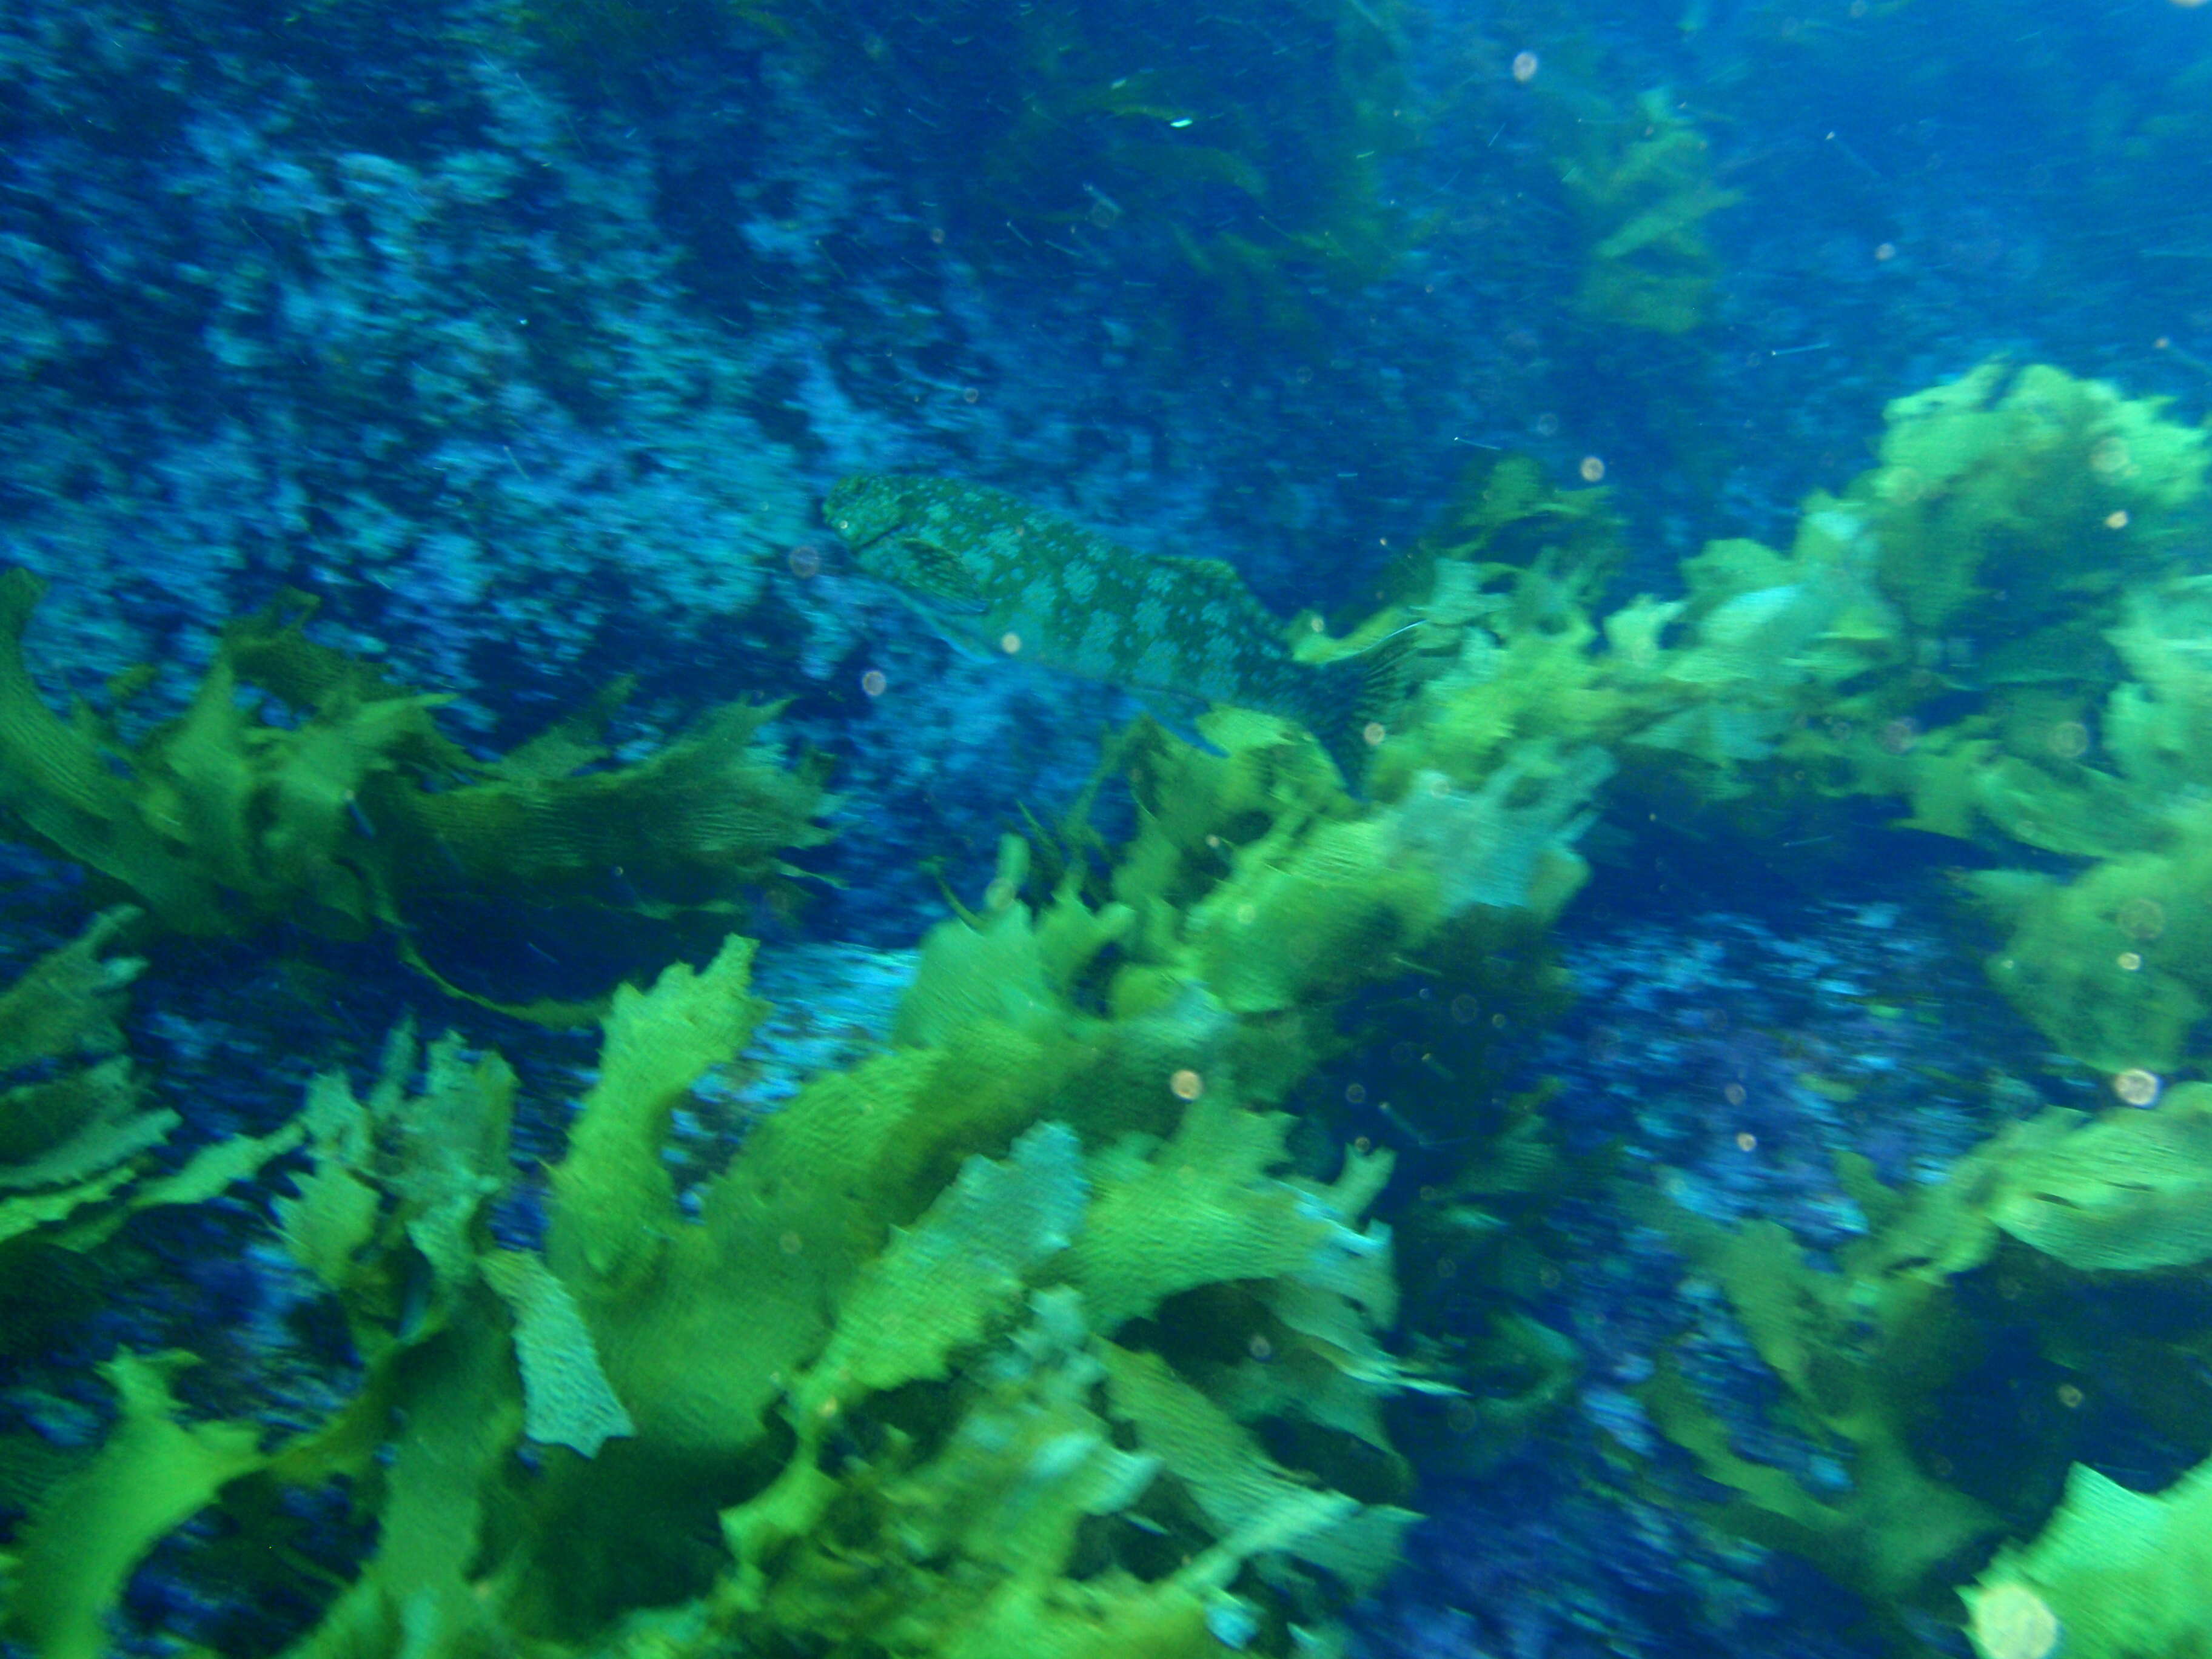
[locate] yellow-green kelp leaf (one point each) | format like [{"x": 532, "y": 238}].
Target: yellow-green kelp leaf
[
  {"x": 2131, "y": 1190},
  {"x": 463, "y": 1414},
  {"x": 2114, "y": 1574},
  {"x": 1197, "y": 1210},
  {"x": 1252, "y": 1501},
  {"x": 95, "y": 1525},
  {"x": 934, "y": 1290},
  {"x": 67, "y": 1003},
  {"x": 336, "y": 1212},
  {"x": 612, "y": 1191},
  {"x": 940, "y": 1284},
  {"x": 357, "y": 814},
  {"x": 567, "y": 1399}
]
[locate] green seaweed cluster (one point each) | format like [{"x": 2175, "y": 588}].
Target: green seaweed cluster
[
  {"x": 1640, "y": 180},
  {"x": 1997, "y": 624},
  {"x": 2033, "y": 533},
  {"x": 1038, "y": 1334},
  {"x": 2056, "y": 1210},
  {"x": 302, "y": 784},
  {"x": 76, "y": 1126},
  {"x": 1998, "y": 627},
  {"x": 969, "y": 1351}
]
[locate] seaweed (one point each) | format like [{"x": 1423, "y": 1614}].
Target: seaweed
[
  {"x": 917, "y": 1377},
  {"x": 76, "y": 1124},
  {"x": 355, "y": 813}
]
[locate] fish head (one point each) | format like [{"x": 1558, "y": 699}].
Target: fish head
[
  {"x": 889, "y": 540},
  {"x": 864, "y": 508}
]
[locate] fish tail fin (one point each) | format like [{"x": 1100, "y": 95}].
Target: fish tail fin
[{"x": 1354, "y": 699}]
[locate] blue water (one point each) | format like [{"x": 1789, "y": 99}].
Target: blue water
[{"x": 1773, "y": 975}]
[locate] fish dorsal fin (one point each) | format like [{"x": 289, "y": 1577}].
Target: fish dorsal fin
[
  {"x": 1213, "y": 570},
  {"x": 1220, "y": 582},
  {"x": 940, "y": 577}
]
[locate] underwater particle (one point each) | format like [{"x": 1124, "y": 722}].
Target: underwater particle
[
  {"x": 1260, "y": 1348},
  {"x": 1898, "y": 736},
  {"x": 806, "y": 560},
  {"x": 2069, "y": 1396},
  {"x": 2108, "y": 458},
  {"x": 1464, "y": 1008},
  {"x": 2130, "y": 962},
  {"x": 2011, "y": 1622},
  {"x": 1745, "y": 1141},
  {"x": 1187, "y": 1084},
  {"x": 1592, "y": 469},
  {"x": 1524, "y": 67},
  {"x": 2143, "y": 918},
  {"x": 1355, "y": 1094},
  {"x": 1885, "y": 251},
  {"x": 1548, "y": 425},
  {"x": 1374, "y": 732},
  {"x": 2136, "y": 1087},
  {"x": 2069, "y": 739},
  {"x": 873, "y": 681},
  {"x": 1010, "y": 643},
  {"x": 2116, "y": 519},
  {"x": 969, "y": 394},
  {"x": 1732, "y": 1094}
]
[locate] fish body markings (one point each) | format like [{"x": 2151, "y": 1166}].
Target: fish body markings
[{"x": 994, "y": 573}]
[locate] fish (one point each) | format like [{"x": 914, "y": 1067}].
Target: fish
[{"x": 993, "y": 574}]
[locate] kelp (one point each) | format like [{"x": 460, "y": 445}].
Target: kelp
[
  {"x": 2115, "y": 1575},
  {"x": 1859, "y": 1353},
  {"x": 1866, "y": 1350},
  {"x": 76, "y": 1124},
  {"x": 77, "y": 1131},
  {"x": 908, "y": 1375},
  {"x": 1641, "y": 180},
  {"x": 154, "y": 1472},
  {"x": 1871, "y": 659},
  {"x": 356, "y": 812}
]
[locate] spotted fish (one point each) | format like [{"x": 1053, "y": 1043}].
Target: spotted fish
[{"x": 995, "y": 575}]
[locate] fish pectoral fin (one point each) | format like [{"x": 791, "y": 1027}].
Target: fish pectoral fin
[{"x": 941, "y": 577}]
